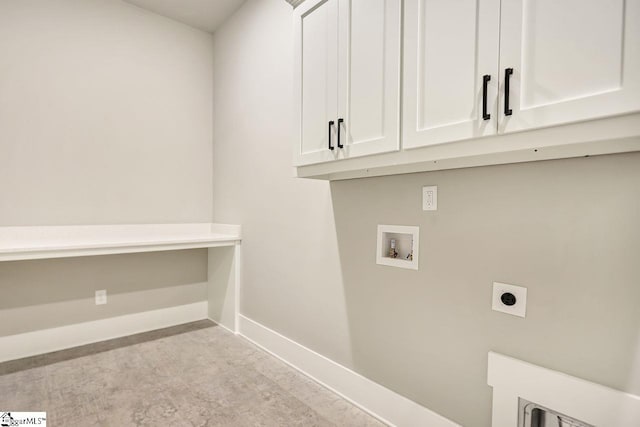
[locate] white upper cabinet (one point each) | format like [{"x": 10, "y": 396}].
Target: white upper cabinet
[
  {"x": 450, "y": 70},
  {"x": 483, "y": 82},
  {"x": 572, "y": 60},
  {"x": 347, "y": 84},
  {"x": 369, "y": 77},
  {"x": 316, "y": 80}
]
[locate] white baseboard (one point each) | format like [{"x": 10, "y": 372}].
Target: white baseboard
[
  {"x": 63, "y": 337},
  {"x": 382, "y": 403},
  {"x": 223, "y": 326}
]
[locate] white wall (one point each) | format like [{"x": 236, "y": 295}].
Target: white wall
[
  {"x": 568, "y": 230},
  {"x": 289, "y": 237},
  {"x": 105, "y": 118},
  {"x": 105, "y": 115}
]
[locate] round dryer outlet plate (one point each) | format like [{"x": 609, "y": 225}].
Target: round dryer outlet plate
[{"x": 510, "y": 299}]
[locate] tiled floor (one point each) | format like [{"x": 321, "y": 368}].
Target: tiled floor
[{"x": 192, "y": 375}]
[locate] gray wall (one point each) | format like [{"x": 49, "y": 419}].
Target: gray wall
[
  {"x": 105, "y": 118},
  {"x": 567, "y": 230},
  {"x": 43, "y": 294}
]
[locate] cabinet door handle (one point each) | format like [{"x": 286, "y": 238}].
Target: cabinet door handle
[
  {"x": 507, "y": 78},
  {"x": 330, "y": 124},
  {"x": 485, "y": 83},
  {"x": 340, "y": 121}
]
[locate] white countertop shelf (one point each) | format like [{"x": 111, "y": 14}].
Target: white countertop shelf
[{"x": 40, "y": 242}]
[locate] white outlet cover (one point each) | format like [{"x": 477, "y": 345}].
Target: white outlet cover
[
  {"x": 101, "y": 297},
  {"x": 430, "y": 198},
  {"x": 520, "y": 292}
]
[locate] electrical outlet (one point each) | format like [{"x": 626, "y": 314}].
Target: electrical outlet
[
  {"x": 101, "y": 297},
  {"x": 430, "y": 198},
  {"x": 510, "y": 299}
]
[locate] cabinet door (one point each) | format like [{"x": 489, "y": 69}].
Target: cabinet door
[
  {"x": 572, "y": 60},
  {"x": 449, "y": 46},
  {"x": 315, "y": 85},
  {"x": 369, "y": 76}
]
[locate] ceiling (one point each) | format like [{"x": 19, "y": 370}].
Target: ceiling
[{"x": 206, "y": 15}]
